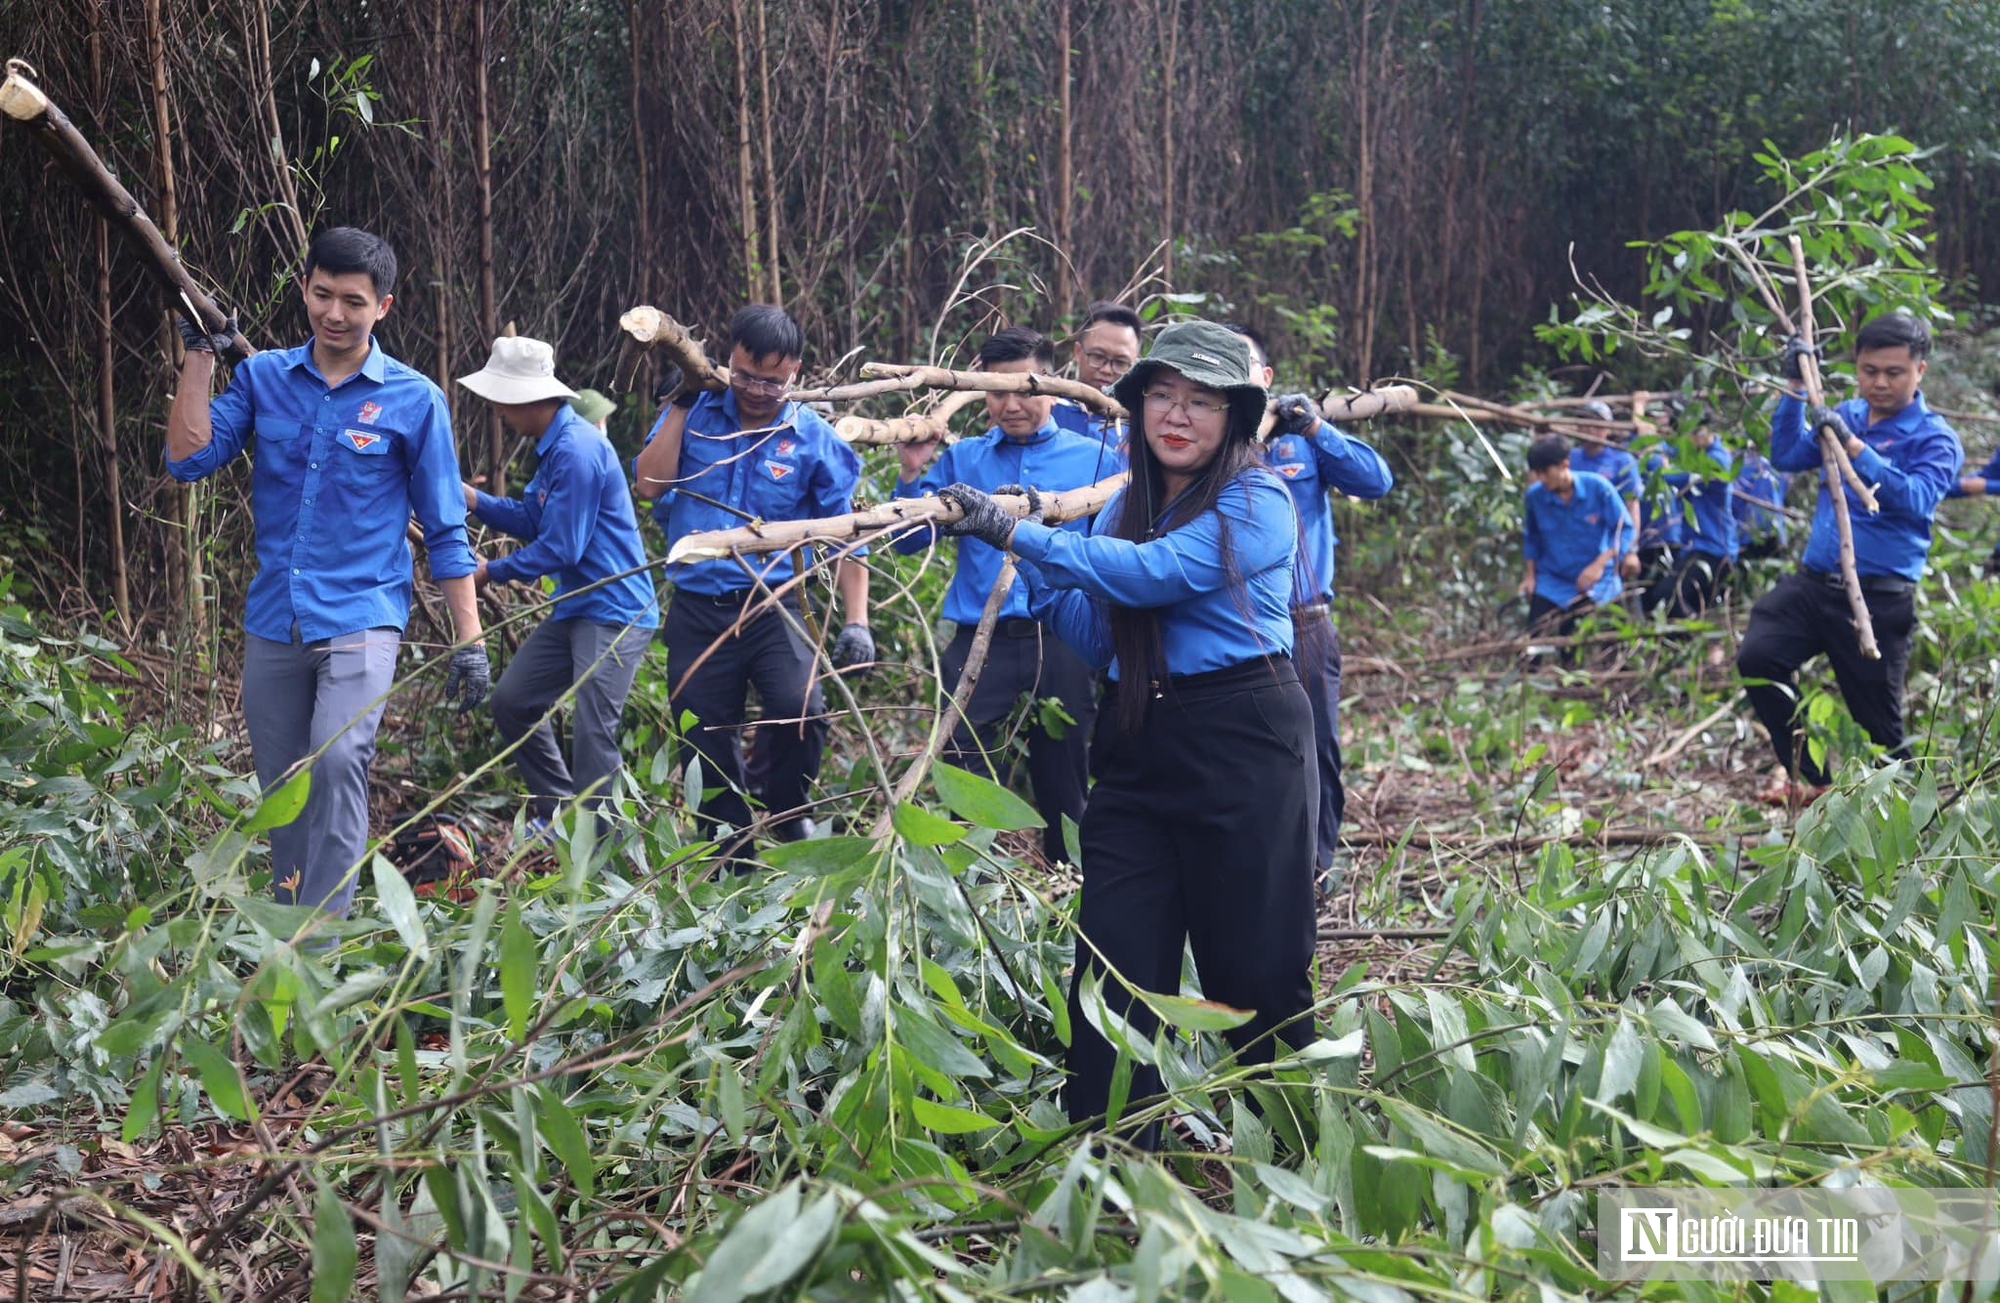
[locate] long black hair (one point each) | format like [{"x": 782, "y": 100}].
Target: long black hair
[{"x": 1144, "y": 512}]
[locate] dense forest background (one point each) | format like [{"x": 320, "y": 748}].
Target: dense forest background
[{"x": 1381, "y": 185}]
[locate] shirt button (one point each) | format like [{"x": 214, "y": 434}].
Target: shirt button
[
  {"x": 295, "y": 570},
  {"x": 315, "y": 465}
]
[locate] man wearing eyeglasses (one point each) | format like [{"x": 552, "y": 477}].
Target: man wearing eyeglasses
[
  {"x": 714, "y": 461},
  {"x": 1105, "y": 349}
]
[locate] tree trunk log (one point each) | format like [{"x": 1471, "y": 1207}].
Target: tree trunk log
[
  {"x": 23, "y": 101},
  {"x": 920, "y": 427},
  {"x": 652, "y": 328},
  {"x": 779, "y": 536}
]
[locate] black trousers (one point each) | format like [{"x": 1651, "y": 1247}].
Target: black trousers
[
  {"x": 1688, "y": 587},
  {"x": 768, "y": 656},
  {"x": 1024, "y": 660},
  {"x": 1547, "y": 620},
  {"x": 1319, "y": 672},
  {"x": 1200, "y": 832},
  {"x": 1807, "y": 615}
]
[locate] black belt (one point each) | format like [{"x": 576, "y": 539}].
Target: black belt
[
  {"x": 1313, "y": 609},
  {"x": 734, "y": 597},
  {"x": 1888, "y": 585},
  {"x": 1005, "y": 629}
]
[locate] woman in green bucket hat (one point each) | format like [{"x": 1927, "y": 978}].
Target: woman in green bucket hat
[{"x": 1200, "y": 828}]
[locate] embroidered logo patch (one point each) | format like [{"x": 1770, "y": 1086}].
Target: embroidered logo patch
[
  {"x": 1290, "y": 472},
  {"x": 363, "y": 441},
  {"x": 369, "y": 412},
  {"x": 786, "y": 447},
  {"x": 778, "y": 469},
  {"x": 1590, "y": 519}
]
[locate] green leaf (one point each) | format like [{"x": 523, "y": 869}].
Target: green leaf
[
  {"x": 335, "y": 1253},
  {"x": 922, "y": 828},
  {"x": 282, "y": 804},
  {"x": 768, "y": 1245},
  {"x": 518, "y": 964},
  {"x": 566, "y": 1139},
  {"x": 1292, "y": 1188},
  {"x": 982, "y": 802},
  {"x": 219, "y": 1078},
  {"x": 944, "y": 1119},
  {"x": 145, "y": 1102},
  {"x": 1624, "y": 1055},
  {"x": 1196, "y": 1015},
  {"x": 399, "y": 903},
  {"x": 819, "y": 856}
]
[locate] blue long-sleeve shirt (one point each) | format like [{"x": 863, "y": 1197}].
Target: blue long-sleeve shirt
[
  {"x": 1181, "y": 575},
  {"x": 1052, "y": 460},
  {"x": 576, "y": 515},
  {"x": 1329, "y": 458},
  {"x": 1756, "y": 479},
  {"x": 1989, "y": 472},
  {"x": 1614, "y": 464},
  {"x": 1911, "y": 460},
  {"x": 1108, "y": 431},
  {"x": 337, "y": 473},
  {"x": 1711, "y": 494},
  {"x": 795, "y": 469},
  {"x": 1563, "y": 538}
]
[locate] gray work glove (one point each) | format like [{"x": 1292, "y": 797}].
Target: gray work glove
[
  {"x": 470, "y": 678},
  {"x": 198, "y": 340},
  {"x": 855, "y": 648},
  {"x": 983, "y": 519},
  {"x": 1826, "y": 418},
  {"x": 1789, "y": 364},
  {"x": 1037, "y": 509},
  {"x": 1297, "y": 414}
]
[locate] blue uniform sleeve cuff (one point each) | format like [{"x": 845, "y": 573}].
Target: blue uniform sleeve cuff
[
  {"x": 1031, "y": 541},
  {"x": 504, "y": 570},
  {"x": 451, "y": 558},
  {"x": 1870, "y": 466}
]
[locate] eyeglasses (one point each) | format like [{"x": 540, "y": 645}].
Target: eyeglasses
[
  {"x": 1195, "y": 409},
  {"x": 1108, "y": 361},
  {"x": 758, "y": 385}
]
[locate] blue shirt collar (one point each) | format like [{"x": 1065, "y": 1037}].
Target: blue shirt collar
[
  {"x": 1043, "y": 435},
  {"x": 558, "y": 428},
  {"x": 374, "y": 366},
  {"x": 1908, "y": 421}
]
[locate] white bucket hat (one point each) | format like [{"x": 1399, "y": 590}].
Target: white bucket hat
[{"x": 521, "y": 370}]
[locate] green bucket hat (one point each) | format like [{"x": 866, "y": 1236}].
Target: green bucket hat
[
  {"x": 1207, "y": 354},
  {"x": 592, "y": 406}
]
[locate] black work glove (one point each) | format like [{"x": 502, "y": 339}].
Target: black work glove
[
  {"x": 1789, "y": 364},
  {"x": 198, "y": 340},
  {"x": 1297, "y": 414},
  {"x": 983, "y": 519},
  {"x": 1037, "y": 509},
  {"x": 854, "y": 648},
  {"x": 1826, "y": 418},
  {"x": 673, "y": 385},
  {"x": 470, "y": 678}
]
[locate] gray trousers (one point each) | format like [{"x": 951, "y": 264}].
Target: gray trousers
[
  {"x": 297, "y": 699},
  {"x": 599, "y": 661}
]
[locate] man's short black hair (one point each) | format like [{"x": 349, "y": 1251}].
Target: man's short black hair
[
  {"x": 1256, "y": 341},
  {"x": 343, "y": 250},
  {"x": 1115, "y": 313},
  {"x": 1898, "y": 329},
  {"x": 766, "y": 330},
  {"x": 1017, "y": 344},
  {"x": 1548, "y": 452}
]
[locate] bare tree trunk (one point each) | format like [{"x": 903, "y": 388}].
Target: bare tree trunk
[
  {"x": 770, "y": 172},
  {"x": 441, "y": 205},
  {"x": 1367, "y": 247},
  {"x": 753, "y": 271},
  {"x": 489, "y": 307},
  {"x": 182, "y": 561},
  {"x": 267, "y": 82},
  {"x": 1065, "y": 174},
  {"x": 107, "y": 365},
  {"x": 643, "y": 254},
  {"x": 1170, "y": 41}
]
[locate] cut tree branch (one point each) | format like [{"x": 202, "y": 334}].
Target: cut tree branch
[
  {"x": 783, "y": 535},
  {"x": 888, "y": 378},
  {"x": 24, "y": 102},
  {"x": 652, "y": 328},
  {"x": 918, "y": 427}
]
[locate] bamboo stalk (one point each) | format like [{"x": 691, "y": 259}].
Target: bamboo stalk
[
  {"x": 24, "y": 102},
  {"x": 1834, "y": 458},
  {"x": 779, "y": 536}
]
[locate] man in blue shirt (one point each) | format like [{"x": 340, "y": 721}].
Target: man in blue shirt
[
  {"x": 1702, "y": 508},
  {"x": 1622, "y": 469},
  {"x": 349, "y": 443},
  {"x": 714, "y": 461},
  {"x": 1980, "y": 486},
  {"x": 1316, "y": 459},
  {"x": 576, "y": 519},
  {"x": 1024, "y": 447},
  {"x": 1106, "y": 347},
  {"x": 1760, "y": 529},
  {"x": 1912, "y": 458},
  {"x": 1575, "y": 533}
]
